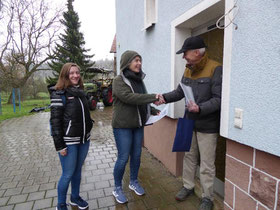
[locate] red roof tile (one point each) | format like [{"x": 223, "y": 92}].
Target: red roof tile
[{"x": 113, "y": 47}]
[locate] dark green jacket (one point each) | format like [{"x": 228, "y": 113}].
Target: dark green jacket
[{"x": 125, "y": 106}]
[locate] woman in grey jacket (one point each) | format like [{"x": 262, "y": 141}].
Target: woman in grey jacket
[{"x": 130, "y": 113}]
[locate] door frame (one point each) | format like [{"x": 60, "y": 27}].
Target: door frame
[{"x": 181, "y": 28}]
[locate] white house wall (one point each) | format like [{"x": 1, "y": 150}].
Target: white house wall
[
  {"x": 254, "y": 63},
  {"x": 255, "y": 75},
  {"x": 154, "y": 43}
]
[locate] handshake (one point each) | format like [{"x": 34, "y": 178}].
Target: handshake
[
  {"x": 191, "y": 105},
  {"x": 160, "y": 100}
]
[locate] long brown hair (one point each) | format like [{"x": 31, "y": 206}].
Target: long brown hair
[{"x": 63, "y": 80}]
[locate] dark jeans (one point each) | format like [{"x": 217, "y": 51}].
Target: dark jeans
[
  {"x": 129, "y": 143},
  {"x": 71, "y": 170}
]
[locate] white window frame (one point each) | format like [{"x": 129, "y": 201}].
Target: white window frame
[{"x": 150, "y": 13}]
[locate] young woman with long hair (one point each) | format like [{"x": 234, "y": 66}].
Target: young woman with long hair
[{"x": 70, "y": 128}]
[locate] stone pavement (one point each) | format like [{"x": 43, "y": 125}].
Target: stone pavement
[{"x": 30, "y": 169}]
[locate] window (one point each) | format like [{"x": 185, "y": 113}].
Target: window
[{"x": 150, "y": 13}]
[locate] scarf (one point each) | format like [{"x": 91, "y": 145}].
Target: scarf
[
  {"x": 136, "y": 80},
  {"x": 199, "y": 66}
]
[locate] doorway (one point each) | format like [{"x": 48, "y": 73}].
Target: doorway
[
  {"x": 200, "y": 20},
  {"x": 215, "y": 44}
]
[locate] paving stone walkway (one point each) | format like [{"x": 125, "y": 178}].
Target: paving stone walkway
[{"x": 30, "y": 169}]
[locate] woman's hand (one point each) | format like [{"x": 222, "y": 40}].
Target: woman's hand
[
  {"x": 63, "y": 152},
  {"x": 160, "y": 100}
]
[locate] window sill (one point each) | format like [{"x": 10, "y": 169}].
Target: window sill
[{"x": 147, "y": 26}]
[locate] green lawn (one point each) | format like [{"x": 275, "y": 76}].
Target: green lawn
[{"x": 26, "y": 107}]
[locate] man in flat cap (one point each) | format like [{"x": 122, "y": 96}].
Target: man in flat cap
[{"x": 204, "y": 76}]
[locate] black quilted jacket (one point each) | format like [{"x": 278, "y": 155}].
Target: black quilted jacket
[{"x": 70, "y": 117}]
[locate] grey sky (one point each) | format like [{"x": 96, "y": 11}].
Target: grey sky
[{"x": 98, "y": 25}]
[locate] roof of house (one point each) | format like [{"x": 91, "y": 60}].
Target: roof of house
[{"x": 113, "y": 47}]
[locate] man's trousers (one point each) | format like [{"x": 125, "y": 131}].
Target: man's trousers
[{"x": 203, "y": 153}]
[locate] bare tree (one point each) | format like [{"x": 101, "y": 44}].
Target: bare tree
[
  {"x": 30, "y": 30},
  {"x": 105, "y": 63},
  {"x": 1, "y": 8},
  {"x": 11, "y": 74}
]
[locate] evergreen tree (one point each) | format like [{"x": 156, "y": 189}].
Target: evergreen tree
[{"x": 71, "y": 48}]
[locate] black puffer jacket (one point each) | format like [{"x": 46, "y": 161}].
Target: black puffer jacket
[{"x": 70, "y": 119}]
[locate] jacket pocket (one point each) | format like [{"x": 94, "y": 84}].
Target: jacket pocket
[
  {"x": 204, "y": 89},
  {"x": 68, "y": 128},
  {"x": 186, "y": 81},
  {"x": 204, "y": 81}
]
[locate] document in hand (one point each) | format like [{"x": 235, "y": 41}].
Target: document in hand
[
  {"x": 154, "y": 118},
  {"x": 187, "y": 92}
]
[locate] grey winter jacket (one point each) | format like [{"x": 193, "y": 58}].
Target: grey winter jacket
[{"x": 206, "y": 83}]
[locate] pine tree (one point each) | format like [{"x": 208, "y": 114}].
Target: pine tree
[{"x": 71, "y": 48}]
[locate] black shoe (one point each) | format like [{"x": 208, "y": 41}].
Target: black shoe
[
  {"x": 81, "y": 203},
  {"x": 206, "y": 204},
  {"x": 183, "y": 194},
  {"x": 62, "y": 206}
]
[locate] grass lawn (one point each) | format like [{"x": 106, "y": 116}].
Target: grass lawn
[{"x": 26, "y": 107}]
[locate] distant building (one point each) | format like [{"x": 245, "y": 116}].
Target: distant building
[{"x": 114, "y": 50}]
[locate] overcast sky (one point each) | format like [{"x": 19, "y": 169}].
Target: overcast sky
[{"x": 98, "y": 25}]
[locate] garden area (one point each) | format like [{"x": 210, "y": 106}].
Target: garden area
[
  {"x": 24, "y": 107},
  {"x": 33, "y": 53}
]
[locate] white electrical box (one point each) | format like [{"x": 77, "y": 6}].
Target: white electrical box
[{"x": 238, "y": 118}]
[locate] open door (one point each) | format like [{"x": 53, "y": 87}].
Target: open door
[{"x": 215, "y": 44}]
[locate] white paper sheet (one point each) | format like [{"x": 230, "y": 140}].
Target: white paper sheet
[
  {"x": 187, "y": 92},
  {"x": 154, "y": 118}
]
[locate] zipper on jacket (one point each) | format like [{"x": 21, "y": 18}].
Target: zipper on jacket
[
  {"x": 84, "y": 120},
  {"x": 126, "y": 81},
  {"x": 68, "y": 128}
]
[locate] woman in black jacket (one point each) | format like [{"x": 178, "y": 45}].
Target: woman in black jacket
[{"x": 70, "y": 127}]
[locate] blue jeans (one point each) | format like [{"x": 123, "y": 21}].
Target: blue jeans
[
  {"x": 129, "y": 143},
  {"x": 71, "y": 170}
]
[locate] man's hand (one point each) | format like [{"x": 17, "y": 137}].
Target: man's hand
[
  {"x": 192, "y": 107},
  {"x": 160, "y": 100}
]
